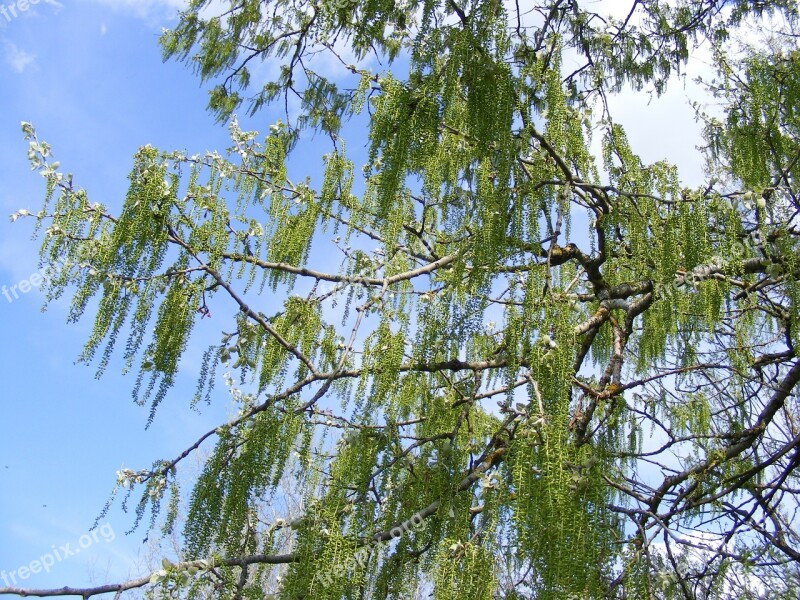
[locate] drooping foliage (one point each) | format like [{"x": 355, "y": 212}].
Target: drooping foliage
[{"x": 491, "y": 363}]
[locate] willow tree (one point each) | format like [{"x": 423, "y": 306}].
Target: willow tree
[{"x": 494, "y": 364}]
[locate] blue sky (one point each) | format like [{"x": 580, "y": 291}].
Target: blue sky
[{"x": 88, "y": 74}]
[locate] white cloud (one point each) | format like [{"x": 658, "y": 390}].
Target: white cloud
[
  {"x": 17, "y": 58},
  {"x": 103, "y": 29},
  {"x": 665, "y": 127}
]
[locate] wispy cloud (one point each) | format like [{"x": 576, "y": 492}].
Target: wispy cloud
[
  {"x": 146, "y": 9},
  {"x": 17, "y": 58}
]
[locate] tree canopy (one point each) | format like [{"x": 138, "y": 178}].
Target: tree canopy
[{"x": 485, "y": 362}]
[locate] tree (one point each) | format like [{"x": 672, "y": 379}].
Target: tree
[{"x": 556, "y": 376}]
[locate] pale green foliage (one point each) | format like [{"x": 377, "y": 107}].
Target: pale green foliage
[{"x": 640, "y": 345}]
